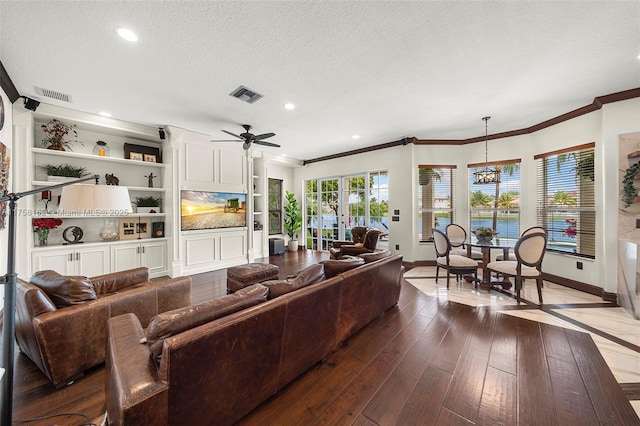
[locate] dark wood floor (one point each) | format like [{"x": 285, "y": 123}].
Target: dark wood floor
[{"x": 423, "y": 362}]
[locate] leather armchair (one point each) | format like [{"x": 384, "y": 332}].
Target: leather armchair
[
  {"x": 61, "y": 322},
  {"x": 357, "y": 237},
  {"x": 368, "y": 245}
]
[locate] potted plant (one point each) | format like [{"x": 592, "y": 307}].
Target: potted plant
[
  {"x": 148, "y": 204},
  {"x": 484, "y": 234},
  {"x": 63, "y": 172},
  {"x": 628, "y": 188},
  {"x": 55, "y": 132},
  {"x": 292, "y": 220}
]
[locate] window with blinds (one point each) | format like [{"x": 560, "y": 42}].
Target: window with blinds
[
  {"x": 566, "y": 200},
  {"x": 497, "y": 205},
  {"x": 436, "y": 192}
]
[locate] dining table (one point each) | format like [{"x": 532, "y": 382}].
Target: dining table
[{"x": 486, "y": 281}]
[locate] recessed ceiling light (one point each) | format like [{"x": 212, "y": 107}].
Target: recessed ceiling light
[
  {"x": 105, "y": 114},
  {"x": 289, "y": 105},
  {"x": 126, "y": 33},
  {"x": 355, "y": 137}
]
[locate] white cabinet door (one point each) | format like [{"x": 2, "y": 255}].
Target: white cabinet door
[
  {"x": 154, "y": 256},
  {"x": 61, "y": 261},
  {"x": 92, "y": 261},
  {"x": 125, "y": 256}
]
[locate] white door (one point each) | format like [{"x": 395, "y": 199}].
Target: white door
[
  {"x": 154, "y": 256},
  {"x": 61, "y": 261},
  {"x": 125, "y": 256},
  {"x": 92, "y": 261}
]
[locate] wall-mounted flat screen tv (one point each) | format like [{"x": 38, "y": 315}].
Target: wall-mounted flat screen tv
[{"x": 212, "y": 210}]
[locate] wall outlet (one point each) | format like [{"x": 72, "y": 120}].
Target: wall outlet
[
  {"x": 579, "y": 265},
  {"x": 397, "y": 246}
]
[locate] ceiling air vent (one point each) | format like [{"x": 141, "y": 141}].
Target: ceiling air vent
[
  {"x": 245, "y": 94},
  {"x": 53, "y": 94}
]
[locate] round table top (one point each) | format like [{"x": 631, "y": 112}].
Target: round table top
[{"x": 491, "y": 244}]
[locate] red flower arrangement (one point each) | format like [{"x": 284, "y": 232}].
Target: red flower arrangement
[
  {"x": 46, "y": 223},
  {"x": 572, "y": 229}
]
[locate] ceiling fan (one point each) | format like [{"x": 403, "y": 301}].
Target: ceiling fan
[{"x": 248, "y": 138}]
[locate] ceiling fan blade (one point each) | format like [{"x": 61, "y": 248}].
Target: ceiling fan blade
[
  {"x": 265, "y": 143},
  {"x": 263, "y": 136},
  {"x": 224, "y": 140},
  {"x": 234, "y": 135}
]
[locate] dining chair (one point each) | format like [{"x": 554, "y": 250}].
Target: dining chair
[
  {"x": 457, "y": 236},
  {"x": 531, "y": 230},
  {"x": 529, "y": 251},
  {"x": 453, "y": 263}
]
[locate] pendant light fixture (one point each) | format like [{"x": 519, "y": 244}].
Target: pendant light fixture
[{"x": 486, "y": 175}]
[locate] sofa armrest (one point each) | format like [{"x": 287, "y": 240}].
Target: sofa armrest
[
  {"x": 134, "y": 393},
  {"x": 115, "y": 281}
]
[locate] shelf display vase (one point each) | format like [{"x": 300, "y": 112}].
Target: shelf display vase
[
  {"x": 109, "y": 230},
  {"x": 43, "y": 236},
  {"x": 101, "y": 149}
]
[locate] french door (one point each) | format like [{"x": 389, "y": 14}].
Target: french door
[{"x": 334, "y": 205}]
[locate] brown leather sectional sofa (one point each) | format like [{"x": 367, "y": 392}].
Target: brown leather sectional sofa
[
  {"x": 219, "y": 371},
  {"x": 61, "y": 323}
]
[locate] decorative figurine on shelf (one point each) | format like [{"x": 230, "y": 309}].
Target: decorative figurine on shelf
[
  {"x": 77, "y": 234},
  {"x": 111, "y": 179},
  {"x": 151, "y": 178}
]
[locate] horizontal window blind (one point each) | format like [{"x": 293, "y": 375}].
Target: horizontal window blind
[
  {"x": 566, "y": 199},
  {"x": 436, "y": 198}
]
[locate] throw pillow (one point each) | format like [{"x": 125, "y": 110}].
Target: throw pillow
[
  {"x": 309, "y": 275},
  {"x": 64, "y": 290},
  {"x": 174, "y": 322}
]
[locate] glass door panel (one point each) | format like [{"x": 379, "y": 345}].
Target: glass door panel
[{"x": 329, "y": 198}]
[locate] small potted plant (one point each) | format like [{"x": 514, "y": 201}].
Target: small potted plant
[
  {"x": 55, "y": 132},
  {"x": 484, "y": 234},
  {"x": 148, "y": 204},
  {"x": 63, "y": 172},
  {"x": 292, "y": 220}
]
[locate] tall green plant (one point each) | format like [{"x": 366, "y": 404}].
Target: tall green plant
[{"x": 292, "y": 216}]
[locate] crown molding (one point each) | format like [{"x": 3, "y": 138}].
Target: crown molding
[{"x": 597, "y": 103}]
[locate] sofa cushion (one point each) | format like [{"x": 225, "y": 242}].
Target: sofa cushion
[
  {"x": 170, "y": 323},
  {"x": 116, "y": 281},
  {"x": 333, "y": 267},
  {"x": 376, "y": 255},
  {"x": 307, "y": 276},
  {"x": 64, "y": 290}
]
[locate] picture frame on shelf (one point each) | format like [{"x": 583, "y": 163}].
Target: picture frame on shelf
[
  {"x": 149, "y": 158},
  {"x": 142, "y": 150},
  {"x": 131, "y": 229},
  {"x": 136, "y": 156}
]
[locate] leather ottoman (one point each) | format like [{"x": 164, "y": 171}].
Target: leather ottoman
[{"x": 245, "y": 275}]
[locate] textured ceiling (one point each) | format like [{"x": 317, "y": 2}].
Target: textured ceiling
[{"x": 383, "y": 70}]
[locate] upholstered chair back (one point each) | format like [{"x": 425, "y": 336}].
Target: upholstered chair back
[
  {"x": 358, "y": 233},
  {"x": 371, "y": 238},
  {"x": 441, "y": 242},
  {"x": 530, "y": 249},
  {"x": 456, "y": 234}
]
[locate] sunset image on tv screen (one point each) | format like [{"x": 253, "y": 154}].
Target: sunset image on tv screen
[{"x": 210, "y": 210}]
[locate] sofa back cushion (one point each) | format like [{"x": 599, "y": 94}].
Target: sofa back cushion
[
  {"x": 333, "y": 267},
  {"x": 64, "y": 290},
  {"x": 170, "y": 323},
  {"x": 307, "y": 276},
  {"x": 116, "y": 281},
  {"x": 376, "y": 255}
]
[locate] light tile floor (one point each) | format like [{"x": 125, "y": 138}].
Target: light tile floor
[{"x": 623, "y": 361}]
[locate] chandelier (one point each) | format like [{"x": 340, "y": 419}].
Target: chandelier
[{"x": 486, "y": 175}]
